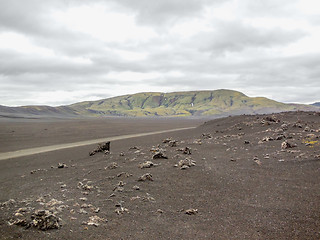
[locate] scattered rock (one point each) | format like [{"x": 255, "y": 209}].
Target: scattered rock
[
  {"x": 82, "y": 211},
  {"x": 146, "y": 177},
  {"x": 7, "y": 203},
  {"x": 173, "y": 143},
  {"x": 121, "y": 210},
  {"x": 85, "y": 187},
  {"x": 191, "y": 211},
  {"x": 257, "y": 161},
  {"x": 271, "y": 119},
  {"x": 246, "y": 142},
  {"x": 307, "y": 129},
  {"x": 45, "y": 220},
  {"x": 206, "y": 135},
  {"x": 167, "y": 140},
  {"x": 284, "y": 126},
  {"x": 104, "y": 147},
  {"x": 124, "y": 174},
  {"x": 147, "y": 164},
  {"x": 62, "y": 165},
  {"x": 95, "y": 221},
  {"x": 113, "y": 165},
  {"x": 297, "y": 125},
  {"x": 280, "y": 137},
  {"x": 19, "y": 222},
  {"x": 135, "y": 187},
  {"x": 187, "y": 150},
  {"x": 197, "y": 141},
  {"x": 159, "y": 211},
  {"x": 53, "y": 202},
  {"x": 286, "y": 145},
  {"x": 159, "y": 155},
  {"x": 267, "y": 139},
  {"x": 134, "y": 148},
  {"x": 186, "y": 163}
]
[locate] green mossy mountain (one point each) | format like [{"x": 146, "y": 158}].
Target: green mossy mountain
[{"x": 193, "y": 103}]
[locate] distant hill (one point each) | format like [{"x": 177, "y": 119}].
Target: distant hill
[
  {"x": 317, "y": 104},
  {"x": 193, "y": 103},
  {"x": 36, "y": 112}
]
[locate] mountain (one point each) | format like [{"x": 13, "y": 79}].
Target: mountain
[
  {"x": 317, "y": 104},
  {"x": 36, "y": 111},
  {"x": 193, "y": 103}
]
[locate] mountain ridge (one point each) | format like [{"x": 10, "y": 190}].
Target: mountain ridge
[
  {"x": 317, "y": 104},
  {"x": 185, "y": 103}
]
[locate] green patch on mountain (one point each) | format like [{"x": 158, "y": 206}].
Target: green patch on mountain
[{"x": 193, "y": 103}]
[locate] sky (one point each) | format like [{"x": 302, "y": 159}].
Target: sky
[{"x": 58, "y": 52}]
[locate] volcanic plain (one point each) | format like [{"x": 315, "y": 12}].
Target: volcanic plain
[{"x": 242, "y": 177}]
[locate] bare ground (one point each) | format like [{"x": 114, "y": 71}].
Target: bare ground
[{"x": 242, "y": 185}]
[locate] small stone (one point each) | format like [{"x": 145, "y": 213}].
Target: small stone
[
  {"x": 121, "y": 210},
  {"x": 185, "y": 150},
  {"x": 191, "y": 211},
  {"x": 61, "y": 165},
  {"x": 159, "y": 211},
  {"x": 184, "y": 167},
  {"x": 146, "y": 177},
  {"x": 82, "y": 211},
  {"x": 104, "y": 147},
  {"x": 113, "y": 165},
  {"x": 206, "y": 135},
  {"x": 267, "y": 139},
  {"x": 173, "y": 143},
  {"x": 19, "y": 222},
  {"x": 186, "y": 163},
  {"x": 147, "y": 164},
  {"x": 159, "y": 155},
  {"x": 167, "y": 140},
  {"x": 53, "y": 202},
  {"x": 286, "y": 145},
  {"x": 95, "y": 221},
  {"x": 121, "y": 184}
]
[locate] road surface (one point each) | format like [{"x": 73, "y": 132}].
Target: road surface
[{"x": 31, "y": 151}]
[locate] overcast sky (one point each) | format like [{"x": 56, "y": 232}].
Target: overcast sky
[{"x": 56, "y": 52}]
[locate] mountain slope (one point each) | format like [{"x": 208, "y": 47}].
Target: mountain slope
[
  {"x": 317, "y": 104},
  {"x": 36, "y": 111},
  {"x": 193, "y": 103}
]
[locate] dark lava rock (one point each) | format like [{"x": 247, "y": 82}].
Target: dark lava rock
[
  {"x": 105, "y": 147},
  {"x": 159, "y": 155}
]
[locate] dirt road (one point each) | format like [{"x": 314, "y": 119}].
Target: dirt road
[{"x": 31, "y": 151}]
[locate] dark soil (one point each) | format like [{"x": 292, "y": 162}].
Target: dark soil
[{"x": 244, "y": 185}]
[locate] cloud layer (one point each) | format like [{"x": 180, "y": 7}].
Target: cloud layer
[{"x": 58, "y": 52}]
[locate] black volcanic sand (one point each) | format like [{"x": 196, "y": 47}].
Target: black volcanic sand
[
  {"x": 243, "y": 186},
  {"x": 22, "y": 134}
]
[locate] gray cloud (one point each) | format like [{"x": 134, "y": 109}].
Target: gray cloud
[
  {"x": 235, "y": 37},
  {"x": 228, "y": 54},
  {"x": 166, "y": 11}
]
